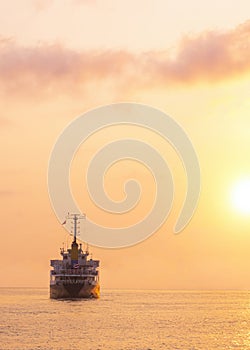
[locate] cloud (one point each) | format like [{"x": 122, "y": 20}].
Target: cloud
[{"x": 209, "y": 57}]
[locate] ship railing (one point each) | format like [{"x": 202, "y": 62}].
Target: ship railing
[
  {"x": 74, "y": 272},
  {"x": 85, "y": 282}
]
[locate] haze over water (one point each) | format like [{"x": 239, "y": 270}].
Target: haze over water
[
  {"x": 191, "y": 60},
  {"x": 125, "y": 320}
]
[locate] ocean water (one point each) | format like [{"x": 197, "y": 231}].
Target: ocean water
[{"x": 125, "y": 320}]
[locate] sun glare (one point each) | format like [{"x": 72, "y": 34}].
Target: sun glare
[{"x": 241, "y": 196}]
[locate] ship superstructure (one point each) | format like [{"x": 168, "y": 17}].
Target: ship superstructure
[{"x": 75, "y": 275}]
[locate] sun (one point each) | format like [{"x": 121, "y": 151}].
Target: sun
[{"x": 241, "y": 196}]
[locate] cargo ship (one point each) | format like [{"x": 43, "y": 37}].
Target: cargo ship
[{"x": 75, "y": 275}]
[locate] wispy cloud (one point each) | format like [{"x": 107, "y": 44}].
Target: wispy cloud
[{"x": 209, "y": 57}]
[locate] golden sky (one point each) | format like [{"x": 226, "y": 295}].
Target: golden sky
[{"x": 59, "y": 59}]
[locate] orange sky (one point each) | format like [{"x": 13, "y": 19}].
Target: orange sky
[{"x": 60, "y": 58}]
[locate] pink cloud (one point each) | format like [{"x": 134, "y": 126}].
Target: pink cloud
[{"x": 209, "y": 57}]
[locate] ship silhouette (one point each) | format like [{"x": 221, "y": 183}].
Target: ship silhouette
[{"x": 75, "y": 275}]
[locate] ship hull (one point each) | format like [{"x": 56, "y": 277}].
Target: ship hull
[{"x": 72, "y": 291}]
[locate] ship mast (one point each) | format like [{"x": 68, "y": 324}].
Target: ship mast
[
  {"x": 75, "y": 226},
  {"x": 76, "y": 223},
  {"x": 74, "y": 252}
]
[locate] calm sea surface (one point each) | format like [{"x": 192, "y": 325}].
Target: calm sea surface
[{"x": 125, "y": 320}]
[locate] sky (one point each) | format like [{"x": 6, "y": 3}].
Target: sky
[{"x": 59, "y": 59}]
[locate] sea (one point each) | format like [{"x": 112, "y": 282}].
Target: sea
[{"x": 125, "y": 320}]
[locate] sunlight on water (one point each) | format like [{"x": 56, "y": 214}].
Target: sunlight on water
[{"x": 125, "y": 320}]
